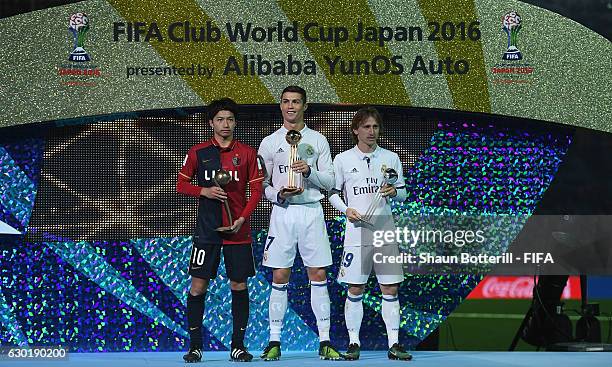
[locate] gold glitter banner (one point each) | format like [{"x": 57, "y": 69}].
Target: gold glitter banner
[
  {"x": 352, "y": 83},
  {"x": 102, "y": 57},
  {"x": 210, "y": 55},
  {"x": 470, "y": 91}
]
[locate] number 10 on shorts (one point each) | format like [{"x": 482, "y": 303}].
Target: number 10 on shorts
[{"x": 197, "y": 256}]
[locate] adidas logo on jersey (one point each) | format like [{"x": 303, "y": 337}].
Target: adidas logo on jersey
[
  {"x": 354, "y": 170},
  {"x": 280, "y": 150}
]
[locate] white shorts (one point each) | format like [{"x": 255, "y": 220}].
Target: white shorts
[
  {"x": 358, "y": 261},
  {"x": 359, "y": 234},
  {"x": 297, "y": 226}
]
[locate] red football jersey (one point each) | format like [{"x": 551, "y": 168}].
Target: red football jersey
[{"x": 240, "y": 160}]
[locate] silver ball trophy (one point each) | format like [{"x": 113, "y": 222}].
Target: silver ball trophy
[{"x": 389, "y": 177}]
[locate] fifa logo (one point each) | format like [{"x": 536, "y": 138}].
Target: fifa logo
[
  {"x": 512, "y": 26},
  {"x": 78, "y": 26}
]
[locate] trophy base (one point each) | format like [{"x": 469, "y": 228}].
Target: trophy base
[
  {"x": 224, "y": 229},
  {"x": 79, "y": 56},
  {"x": 292, "y": 190},
  {"x": 512, "y": 55}
]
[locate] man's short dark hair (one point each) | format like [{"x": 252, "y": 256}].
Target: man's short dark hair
[
  {"x": 223, "y": 104},
  {"x": 360, "y": 116},
  {"x": 295, "y": 89}
]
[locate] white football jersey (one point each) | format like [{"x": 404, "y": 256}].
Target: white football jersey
[
  {"x": 359, "y": 175},
  {"x": 312, "y": 148}
]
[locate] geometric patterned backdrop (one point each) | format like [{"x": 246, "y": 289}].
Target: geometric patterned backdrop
[{"x": 129, "y": 294}]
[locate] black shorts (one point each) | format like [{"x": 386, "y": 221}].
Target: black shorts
[{"x": 205, "y": 258}]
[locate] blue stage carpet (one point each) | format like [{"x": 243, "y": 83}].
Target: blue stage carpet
[{"x": 306, "y": 359}]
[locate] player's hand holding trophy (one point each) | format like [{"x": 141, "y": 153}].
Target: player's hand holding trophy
[
  {"x": 295, "y": 183},
  {"x": 389, "y": 178},
  {"x": 222, "y": 178}
]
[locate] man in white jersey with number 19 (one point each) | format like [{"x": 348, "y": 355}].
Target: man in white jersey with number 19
[
  {"x": 359, "y": 175},
  {"x": 297, "y": 218}
]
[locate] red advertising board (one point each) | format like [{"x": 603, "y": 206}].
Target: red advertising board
[{"x": 508, "y": 287}]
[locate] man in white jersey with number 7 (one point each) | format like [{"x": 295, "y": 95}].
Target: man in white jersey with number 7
[
  {"x": 367, "y": 175},
  {"x": 295, "y": 177}
]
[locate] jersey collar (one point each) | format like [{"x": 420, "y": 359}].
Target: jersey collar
[
  {"x": 284, "y": 130},
  {"x": 214, "y": 142},
  {"x": 362, "y": 155}
]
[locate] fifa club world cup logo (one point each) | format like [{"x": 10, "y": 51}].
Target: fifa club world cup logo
[
  {"x": 78, "y": 26},
  {"x": 512, "y": 25}
]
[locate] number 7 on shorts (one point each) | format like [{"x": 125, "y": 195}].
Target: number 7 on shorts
[{"x": 270, "y": 239}]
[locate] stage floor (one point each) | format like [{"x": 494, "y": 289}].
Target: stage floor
[{"x": 306, "y": 359}]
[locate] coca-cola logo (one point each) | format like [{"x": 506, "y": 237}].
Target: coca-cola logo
[
  {"x": 512, "y": 287},
  {"x": 495, "y": 287}
]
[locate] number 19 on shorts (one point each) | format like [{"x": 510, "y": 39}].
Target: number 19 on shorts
[{"x": 348, "y": 259}]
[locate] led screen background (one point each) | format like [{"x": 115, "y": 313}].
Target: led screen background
[{"x": 115, "y": 180}]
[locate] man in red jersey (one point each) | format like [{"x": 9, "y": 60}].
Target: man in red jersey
[{"x": 202, "y": 162}]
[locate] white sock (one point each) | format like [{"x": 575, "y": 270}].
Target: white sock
[
  {"x": 353, "y": 315},
  {"x": 276, "y": 310},
  {"x": 391, "y": 317},
  {"x": 319, "y": 301}
]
